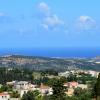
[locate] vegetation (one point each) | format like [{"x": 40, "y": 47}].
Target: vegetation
[
  {"x": 14, "y": 94},
  {"x": 5, "y": 88},
  {"x": 28, "y": 96},
  {"x": 97, "y": 88},
  {"x": 32, "y": 95},
  {"x": 45, "y": 63},
  {"x": 58, "y": 90},
  {"x": 83, "y": 79},
  {"x": 7, "y": 75}
]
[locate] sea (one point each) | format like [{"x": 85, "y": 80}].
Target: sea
[{"x": 52, "y": 52}]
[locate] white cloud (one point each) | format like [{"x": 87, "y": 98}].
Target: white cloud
[
  {"x": 53, "y": 21},
  {"x": 49, "y": 21},
  {"x": 44, "y": 8},
  {"x": 85, "y": 23}
]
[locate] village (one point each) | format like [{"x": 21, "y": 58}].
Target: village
[{"x": 22, "y": 87}]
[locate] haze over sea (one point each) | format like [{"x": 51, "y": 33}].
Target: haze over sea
[{"x": 57, "y": 52}]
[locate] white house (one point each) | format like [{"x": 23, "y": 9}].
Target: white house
[
  {"x": 83, "y": 86},
  {"x": 21, "y": 85},
  {"x": 93, "y": 73},
  {"x": 65, "y": 74},
  {"x": 45, "y": 90},
  {"x": 4, "y": 96},
  {"x": 22, "y": 92}
]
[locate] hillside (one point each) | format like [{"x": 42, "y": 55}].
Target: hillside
[{"x": 44, "y": 63}]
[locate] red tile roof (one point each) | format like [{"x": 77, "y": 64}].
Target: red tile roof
[{"x": 3, "y": 94}]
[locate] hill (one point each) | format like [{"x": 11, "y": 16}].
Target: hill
[{"x": 46, "y": 63}]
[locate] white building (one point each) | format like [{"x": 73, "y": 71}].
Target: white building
[
  {"x": 21, "y": 85},
  {"x": 83, "y": 86},
  {"x": 4, "y": 96},
  {"x": 65, "y": 74},
  {"x": 45, "y": 90},
  {"x": 93, "y": 73},
  {"x": 22, "y": 92}
]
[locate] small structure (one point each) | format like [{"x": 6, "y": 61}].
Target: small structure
[
  {"x": 65, "y": 74},
  {"x": 21, "y": 85},
  {"x": 93, "y": 73},
  {"x": 4, "y": 96},
  {"x": 22, "y": 92},
  {"x": 83, "y": 86},
  {"x": 72, "y": 84},
  {"x": 45, "y": 89}
]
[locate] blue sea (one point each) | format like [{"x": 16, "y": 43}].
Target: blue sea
[{"x": 56, "y": 52}]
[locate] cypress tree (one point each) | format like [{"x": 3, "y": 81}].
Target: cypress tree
[{"x": 97, "y": 88}]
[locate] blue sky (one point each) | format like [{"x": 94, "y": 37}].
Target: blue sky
[{"x": 49, "y": 23}]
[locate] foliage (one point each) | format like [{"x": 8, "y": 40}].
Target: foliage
[
  {"x": 28, "y": 96},
  {"x": 7, "y": 75},
  {"x": 82, "y": 94},
  {"x": 5, "y": 88},
  {"x": 58, "y": 90},
  {"x": 32, "y": 95},
  {"x": 71, "y": 78},
  {"x": 14, "y": 94},
  {"x": 97, "y": 88}
]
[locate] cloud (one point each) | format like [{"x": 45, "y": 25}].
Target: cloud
[
  {"x": 50, "y": 21},
  {"x": 85, "y": 23},
  {"x": 44, "y": 8}
]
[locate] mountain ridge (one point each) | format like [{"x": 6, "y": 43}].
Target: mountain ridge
[{"x": 49, "y": 63}]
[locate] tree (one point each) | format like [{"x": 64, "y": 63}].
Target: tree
[
  {"x": 28, "y": 96},
  {"x": 97, "y": 88},
  {"x": 58, "y": 90},
  {"x": 71, "y": 78},
  {"x": 15, "y": 94},
  {"x": 82, "y": 94},
  {"x": 5, "y": 88},
  {"x": 32, "y": 95},
  {"x": 63, "y": 79}
]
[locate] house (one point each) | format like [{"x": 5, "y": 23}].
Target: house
[
  {"x": 93, "y": 73},
  {"x": 11, "y": 83},
  {"x": 4, "y": 96},
  {"x": 21, "y": 85},
  {"x": 22, "y": 92},
  {"x": 65, "y": 74},
  {"x": 45, "y": 89},
  {"x": 72, "y": 84},
  {"x": 83, "y": 86}
]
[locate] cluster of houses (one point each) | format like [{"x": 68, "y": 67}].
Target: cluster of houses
[
  {"x": 76, "y": 72},
  {"x": 72, "y": 85},
  {"x": 23, "y": 86}
]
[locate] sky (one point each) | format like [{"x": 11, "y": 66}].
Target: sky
[{"x": 49, "y": 23}]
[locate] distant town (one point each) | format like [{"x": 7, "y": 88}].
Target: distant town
[{"x": 22, "y": 83}]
